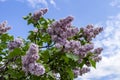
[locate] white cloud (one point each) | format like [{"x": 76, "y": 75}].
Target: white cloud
[
  {"x": 110, "y": 64},
  {"x": 115, "y": 3},
  {"x": 38, "y": 3},
  {"x": 53, "y": 2}
]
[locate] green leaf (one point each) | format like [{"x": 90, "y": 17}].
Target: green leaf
[
  {"x": 27, "y": 17},
  {"x": 82, "y": 64},
  {"x": 15, "y": 52},
  {"x": 6, "y": 37},
  {"x": 71, "y": 74},
  {"x": 65, "y": 58},
  {"x": 72, "y": 56},
  {"x": 50, "y": 74},
  {"x": 0, "y": 58},
  {"x": 92, "y": 62}
]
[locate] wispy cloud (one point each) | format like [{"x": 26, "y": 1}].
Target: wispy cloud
[
  {"x": 110, "y": 40},
  {"x": 53, "y": 2},
  {"x": 115, "y": 3},
  {"x": 39, "y": 3}
]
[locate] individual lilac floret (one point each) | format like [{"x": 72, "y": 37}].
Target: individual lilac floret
[
  {"x": 3, "y": 27},
  {"x": 29, "y": 61},
  {"x": 15, "y": 44},
  {"x": 36, "y": 16}
]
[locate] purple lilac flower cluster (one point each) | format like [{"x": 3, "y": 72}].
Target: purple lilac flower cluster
[
  {"x": 15, "y": 44},
  {"x": 90, "y": 32},
  {"x": 3, "y": 27},
  {"x": 61, "y": 31},
  {"x": 80, "y": 71},
  {"x": 97, "y": 53},
  {"x": 36, "y": 16},
  {"x": 29, "y": 61}
]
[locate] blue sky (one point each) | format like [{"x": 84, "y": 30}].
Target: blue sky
[{"x": 105, "y": 13}]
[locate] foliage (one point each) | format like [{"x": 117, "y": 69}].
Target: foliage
[{"x": 63, "y": 51}]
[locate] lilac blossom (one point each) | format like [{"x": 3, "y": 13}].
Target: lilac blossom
[
  {"x": 36, "y": 16},
  {"x": 15, "y": 44},
  {"x": 29, "y": 61},
  {"x": 3, "y": 27},
  {"x": 80, "y": 71},
  {"x": 84, "y": 70},
  {"x": 90, "y": 32},
  {"x": 76, "y": 72},
  {"x": 36, "y": 69},
  {"x": 61, "y": 33},
  {"x": 61, "y": 28},
  {"x": 97, "y": 58},
  {"x": 98, "y": 51}
]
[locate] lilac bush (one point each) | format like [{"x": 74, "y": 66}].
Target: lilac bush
[{"x": 53, "y": 50}]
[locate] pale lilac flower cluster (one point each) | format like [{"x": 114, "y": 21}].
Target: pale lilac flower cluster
[
  {"x": 76, "y": 72},
  {"x": 29, "y": 61},
  {"x": 84, "y": 70},
  {"x": 80, "y": 71},
  {"x": 83, "y": 50},
  {"x": 15, "y": 44},
  {"x": 3, "y": 27},
  {"x": 36, "y": 16},
  {"x": 61, "y": 30},
  {"x": 97, "y": 53},
  {"x": 90, "y": 32}
]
